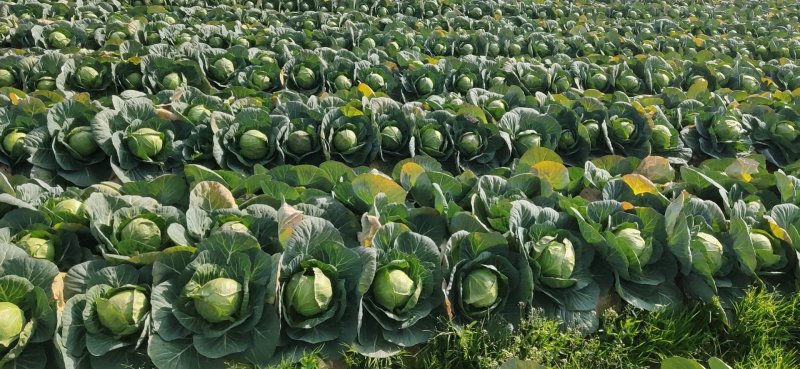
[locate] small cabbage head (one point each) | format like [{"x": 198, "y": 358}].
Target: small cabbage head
[
  {"x": 172, "y": 81},
  {"x": 706, "y": 254},
  {"x": 341, "y": 82},
  {"x": 662, "y": 137},
  {"x": 46, "y": 84},
  {"x": 81, "y": 140},
  {"x": 497, "y": 108},
  {"x": 38, "y": 248},
  {"x": 122, "y": 312},
  {"x": 117, "y": 37},
  {"x": 253, "y": 144},
  {"x": 218, "y": 300},
  {"x": 198, "y": 114},
  {"x": 305, "y": 78},
  {"x": 750, "y": 84},
  {"x": 299, "y": 142},
  {"x": 480, "y": 288},
  {"x": 432, "y": 140},
  {"x": 391, "y": 138},
  {"x": 70, "y": 206},
  {"x": 470, "y": 143},
  {"x": 424, "y": 86},
  {"x": 597, "y": 81},
  {"x": 622, "y": 128},
  {"x": 439, "y": 49},
  {"x": 631, "y": 239},
  {"x": 12, "y": 321},
  {"x": 534, "y": 81},
  {"x": 7, "y": 78},
  {"x": 12, "y": 143},
  {"x": 145, "y": 143},
  {"x": 464, "y": 83},
  {"x": 466, "y": 49},
  {"x": 393, "y": 288},
  {"x": 375, "y": 81},
  {"x": 345, "y": 140},
  {"x": 528, "y": 140},
  {"x": 309, "y": 295},
  {"x": 223, "y": 68},
  {"x": 58, "y": 40},
  {"x": 628, "y": 83},
  {"x": 144, "y": 233},
  {"x": 728, "y": 130},
  {"x": 234, "y": 226},
  {"x": 765, "y": 254},
  {"x": 87, "y": 76},
  {"x": 786, "y": 131},
  {"x": 661, "y": 79},
  {"x": 557, "y": 262},
  {"x": 567, "y": 139},
  {"x": 261, "y": 80},
  {"x": 593, "y": 128}
]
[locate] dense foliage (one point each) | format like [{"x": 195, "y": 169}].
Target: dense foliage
[{"x": 224, "y": 183}]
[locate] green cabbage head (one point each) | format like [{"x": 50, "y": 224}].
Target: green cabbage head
[
  {"x": 81, "y": 140},
  {"x": 765, "y": 254},
  {"x": 464, "y": 83},
  {"x": 786, "y": 131},
  {"x": 222, "y": 69},
  {"x": 309, "y": 295},
  {"x": 706, "y": 254},
  {"x": 58, "y": 40},
  {"x": 391, "y": 138},
  {"x": 480, "y": 288},
  {"x": 342, "y": 83},
  {"x": 143, "y": 233},
  {"x": 631, "y": 239},
  {"x": 432, "y": 140},
  {"x": 470, "y": 142},
  {"x": 218, "y": 300},
  {"x": 345, "y": 140},
  {"x": 172, "y": 81},
  {"x": 12, "y": 320},
  {"x": 375, "y": 81},
  {"x": 728, "y": 130},
  {"x": 557, "y": 262},
  {"x": 662, "y": 137},
  {"x": 122, "y": 312},
  {"x": 38, "y": 248},
  {"x": 253, "y": 144},
  {"x": 145, "y": 143},
  {"x": 70, "y": 206},
  {"x": 305, "y": 77},
  {"x": 622, "y": 128},
  {"x": 12, "y": 143},
  {"x": 393, "y": 288},
  {"x": 87, "y": 76},
  {"x": 424, "y": 86},
  {"x": 299, "y": 142},
  {"x": 7, "y": 78},
  {"x": 198, "y": 113}
]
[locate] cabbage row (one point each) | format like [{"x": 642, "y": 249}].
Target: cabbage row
[{"x": 213, "y": 267}]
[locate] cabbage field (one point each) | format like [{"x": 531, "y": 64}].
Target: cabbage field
[{"x": 228, "y": 184}]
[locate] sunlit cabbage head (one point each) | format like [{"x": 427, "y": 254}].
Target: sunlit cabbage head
[
  {"x": 299, "y": 142},
  {"x": 567, "y": 139},
  {"x": 309, "y": 294},
  {"x": 375, "y": 81},
  {"x": 466, "y": 49},
  {"x": 534, "y": 81},
  {"x": 728, "y": 130},
  {"x": 470, "y": 143},
  {"x": 72, "y": 207},
  {"x": 218, "y": 300},
  {"x": 261, "y": 80},
  {"x": 341, "y": 82},
  {"x": 439, "y": 49},
  {"x": 391, "y": 138},
  {"x": 46, "y": 84},
  {"x": 38, "y": 248},
  {"x": 145, "y": 143},
  {"x": 172, "y": 81},
  {"x": 661, "y": 79},
  {"x": 393, "y": 288},
  {"x": 7, "y": 78},
  {"x": 464, "y": 83},
  {"x": 424, "y": 86},
  {"x": 234, "y": 226},
  {"x": 13, "y": 143},
  {"x": 786, "y": 131},
  {"x": 765, "y": 253},
  {"x": 345, "y": 140},
  {"x": 597, "y": 81},
  {"x": 527, "y": 140},
  {"x": 432, "y": 140},
  {"x": 497, "y": 108},
  {"x": 557, "y": 262},
  {"x": 480, "y": 288},
  {"x": 305, "y": 78},
  {"x": 706, "y": 253},
  {"x": 87, "y": 76},
  {"x": 750, "y": 84},
  {"x": 117, "y": 37},
  {"x": 81, "y": 140},
  {"x": 622, "y": 128},
  {"x": 122, "y": 312},
  {"x": 662, "y": 137},
  {"x": 628, "y": 83},
  {"x": 593, "y": 128},
  {"x": 12, "y": 320},
  {"x": 254, "y": 144},
  {"x": 223, "y": 68},
  {"x": 143, "y": 233},
  {"x": 632, "y": 240},
  {"x": 58, "y": 40},
  {"x": 198, "y": 113}
]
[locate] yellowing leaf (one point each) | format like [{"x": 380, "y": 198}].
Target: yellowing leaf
[
  {"x": 777, "y": 231},
  {"x": 14, "y": 98},
  {"x": 627, "y": 206},
  {"x": 553, "y": 172},
  {"x": 365, "y": 90},
  {"x": 368, "y": 185},
  {"x": 639, "y": 184},
  {"x": 742, "y": 168},
  {"x": 409, "y": 173}
]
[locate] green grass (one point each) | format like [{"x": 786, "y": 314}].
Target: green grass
[{"x": 765, "y": 335}]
